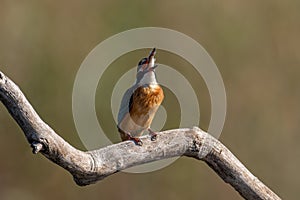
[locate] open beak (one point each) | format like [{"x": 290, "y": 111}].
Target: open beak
[
  {"x": 151, "y": 60},
  {"x": 152, "y": 53}
]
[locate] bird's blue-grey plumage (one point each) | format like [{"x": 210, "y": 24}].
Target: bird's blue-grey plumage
[{"x": 125, "y": 103}]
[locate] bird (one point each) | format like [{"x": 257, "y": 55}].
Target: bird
[{"x": 140, "y": 102}]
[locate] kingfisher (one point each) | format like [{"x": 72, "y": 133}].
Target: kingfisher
[{"x": 140, "y": 102}]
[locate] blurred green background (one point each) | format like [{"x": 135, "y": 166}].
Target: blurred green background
[{"x": 254, "y": 43}]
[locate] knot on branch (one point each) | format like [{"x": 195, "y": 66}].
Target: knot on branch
[
  {"x": 39, "y": 144},
  {"x": 202, "y": 143},
  {"x": 36, "y": 147}
]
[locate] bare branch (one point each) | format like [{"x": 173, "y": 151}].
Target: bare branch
[{"x": 91, "y": 166}]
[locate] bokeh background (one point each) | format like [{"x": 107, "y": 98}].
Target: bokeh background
[{"x": 254, "y": 43}]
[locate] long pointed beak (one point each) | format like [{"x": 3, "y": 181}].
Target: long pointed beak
[
  {"x": 151, "y": 60},
  {"x": 152, "y": 53}
]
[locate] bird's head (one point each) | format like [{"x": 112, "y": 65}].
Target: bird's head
[
  {"x": 147, "y": 64},
  {"x": 146, "y": 69}
]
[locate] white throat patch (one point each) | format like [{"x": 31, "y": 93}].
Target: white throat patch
[{"x": 148, "y": 79}]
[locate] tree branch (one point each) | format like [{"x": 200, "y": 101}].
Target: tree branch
[{"x": 91, "y": 166}]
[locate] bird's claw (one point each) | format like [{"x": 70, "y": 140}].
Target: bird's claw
[
  {"x": 153, "y": 137},
  {"x": 136, "y": 140},
  {"x": 153, "y": 134}
]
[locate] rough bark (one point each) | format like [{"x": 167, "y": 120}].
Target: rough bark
[{"x": 91, "y": 166}]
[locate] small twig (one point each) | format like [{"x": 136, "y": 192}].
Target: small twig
[{"x": 91, "y": 166}]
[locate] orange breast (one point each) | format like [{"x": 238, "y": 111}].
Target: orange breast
[
  {"x": 143, "y": 105},
  {"x": 144, "y": 99},
  {"x": 145, "y": 102}
]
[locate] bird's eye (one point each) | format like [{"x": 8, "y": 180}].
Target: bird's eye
[{"x": 141, "y": 63}]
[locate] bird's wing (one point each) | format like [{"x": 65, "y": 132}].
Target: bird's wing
[{"x": 126, "y": 103}]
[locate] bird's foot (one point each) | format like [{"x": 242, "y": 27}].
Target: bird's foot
[
  {"x": 153, "y": 134},
  {"x": 136, "y": 140},
  {"x": 127, "y": 136}
]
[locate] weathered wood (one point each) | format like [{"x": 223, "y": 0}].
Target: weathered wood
[{"x": 91, "y": 166}]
